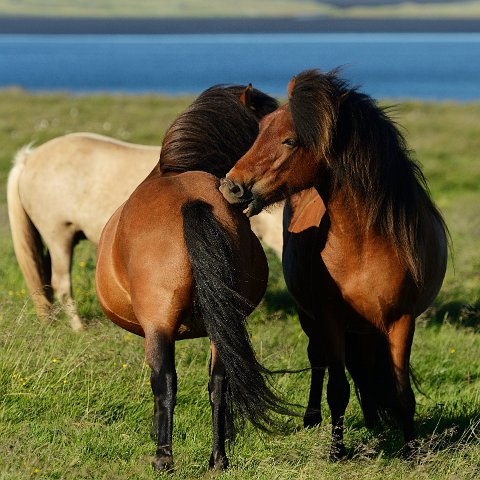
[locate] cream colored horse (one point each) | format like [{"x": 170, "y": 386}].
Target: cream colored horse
[{"x": 66, "y": 190}]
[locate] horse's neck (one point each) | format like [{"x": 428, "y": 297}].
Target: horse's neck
[{"x": 348, "y": 218}]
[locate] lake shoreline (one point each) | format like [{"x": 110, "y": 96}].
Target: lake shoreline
[{"x": 169, "y": 26}]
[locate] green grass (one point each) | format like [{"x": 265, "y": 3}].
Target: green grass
[
  {"x": 232, "y": 8},
  {"x": 79, "y": 406}
]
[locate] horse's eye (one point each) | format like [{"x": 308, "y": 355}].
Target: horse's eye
[{"x": 290, "y": 142}]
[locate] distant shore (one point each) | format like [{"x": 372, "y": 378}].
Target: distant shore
[{"x": 60, "y": 25}]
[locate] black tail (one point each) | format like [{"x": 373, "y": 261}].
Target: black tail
[
  {"x": 368, "y": 361},
  {"x": 223, "y": 311}
]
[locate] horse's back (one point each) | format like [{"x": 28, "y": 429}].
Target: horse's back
[{"x": 79, "y": 179}]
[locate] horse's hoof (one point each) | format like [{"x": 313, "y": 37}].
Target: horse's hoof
[
  {"x": 219, "y": 463},
  {"x": 163, "y": 463},
  {"x": 312, "y": 418},
  {"x": 154, "y": 432},
  {"x": 338, "y": 452},
  {"x": 410, "y": 450},
  {"x": 77, "y": 325}
]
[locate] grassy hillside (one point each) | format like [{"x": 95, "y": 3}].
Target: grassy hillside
[
  {"x": 249, "y": 8},
  {"x": 79, "y": 406}
]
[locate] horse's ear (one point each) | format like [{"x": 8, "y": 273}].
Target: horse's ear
[
  {"x": 246, "y": 96},
  {"x": 291, "y": 84}
]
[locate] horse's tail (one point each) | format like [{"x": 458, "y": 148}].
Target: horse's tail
[
  {"x": 368, "y": 361},
  {"x": 27, "y": 243},
  {"x": 222, "y": 310}
]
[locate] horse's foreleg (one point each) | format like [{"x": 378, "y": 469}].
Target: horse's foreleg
[
  {"x": 217, "y": 387},
  {"x": 313, "y": 413},
  {"x": 61, "y": 257},
  {"x": 160, "y": 355},
  {"x": 400, "y": 336},
  {"x": 338, "y": 388}
]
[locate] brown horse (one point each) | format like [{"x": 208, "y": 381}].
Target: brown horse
[
  {"x": 365, "y": 248},
  {"x": 176, "y": 261}
]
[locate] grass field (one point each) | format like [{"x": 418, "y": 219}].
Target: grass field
[
  {"x": 242, "y": 8},
  {"x": 78, "y": 406}
]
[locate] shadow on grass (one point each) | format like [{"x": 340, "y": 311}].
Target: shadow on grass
[
  {"x": 456, "y": 313},
  {"x": 279, "y": 300},
  {"x": 277, "y": 297},
  {"x": 441, "y": 432}
]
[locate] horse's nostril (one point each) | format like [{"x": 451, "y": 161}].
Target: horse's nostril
[
  {"x": 232, "y": 191},
  {"x": 237, "y": 190}
]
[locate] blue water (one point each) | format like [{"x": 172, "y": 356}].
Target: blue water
[{"x": 399, "y": 65}]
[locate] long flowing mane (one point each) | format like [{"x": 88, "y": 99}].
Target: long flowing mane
[
  {"x": 214, "y": 131},
  {"x": 368, "y": 157}
]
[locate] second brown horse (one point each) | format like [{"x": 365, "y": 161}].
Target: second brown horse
[
  {"x": 364, "y": 250},
  {"x": 176, "y": 261}
]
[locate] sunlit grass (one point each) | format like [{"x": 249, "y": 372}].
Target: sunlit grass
[{"x": 82, "y": 405}]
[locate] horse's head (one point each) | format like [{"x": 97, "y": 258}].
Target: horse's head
[{"x": 276, "y": 166}]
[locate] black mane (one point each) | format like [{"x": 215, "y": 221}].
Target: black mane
[
  {"x": 214, "y": 131},
  {"x": 366, "y": 155}
]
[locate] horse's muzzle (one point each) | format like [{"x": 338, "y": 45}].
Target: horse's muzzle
[
  {"x": 233, "y": 192},
  {"x": 236, "y": 193}
]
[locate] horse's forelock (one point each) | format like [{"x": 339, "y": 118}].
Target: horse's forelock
[{"x": 314, "y": 104}]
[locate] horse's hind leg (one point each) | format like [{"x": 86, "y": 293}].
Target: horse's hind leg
[
  {"x": 361, "y": 351},
  {"x": 400, "y": 336},
  {"x": 217, "y": 387},
  {"x": 160, "y": 356},
  {"x": 61, "y": 257}
]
